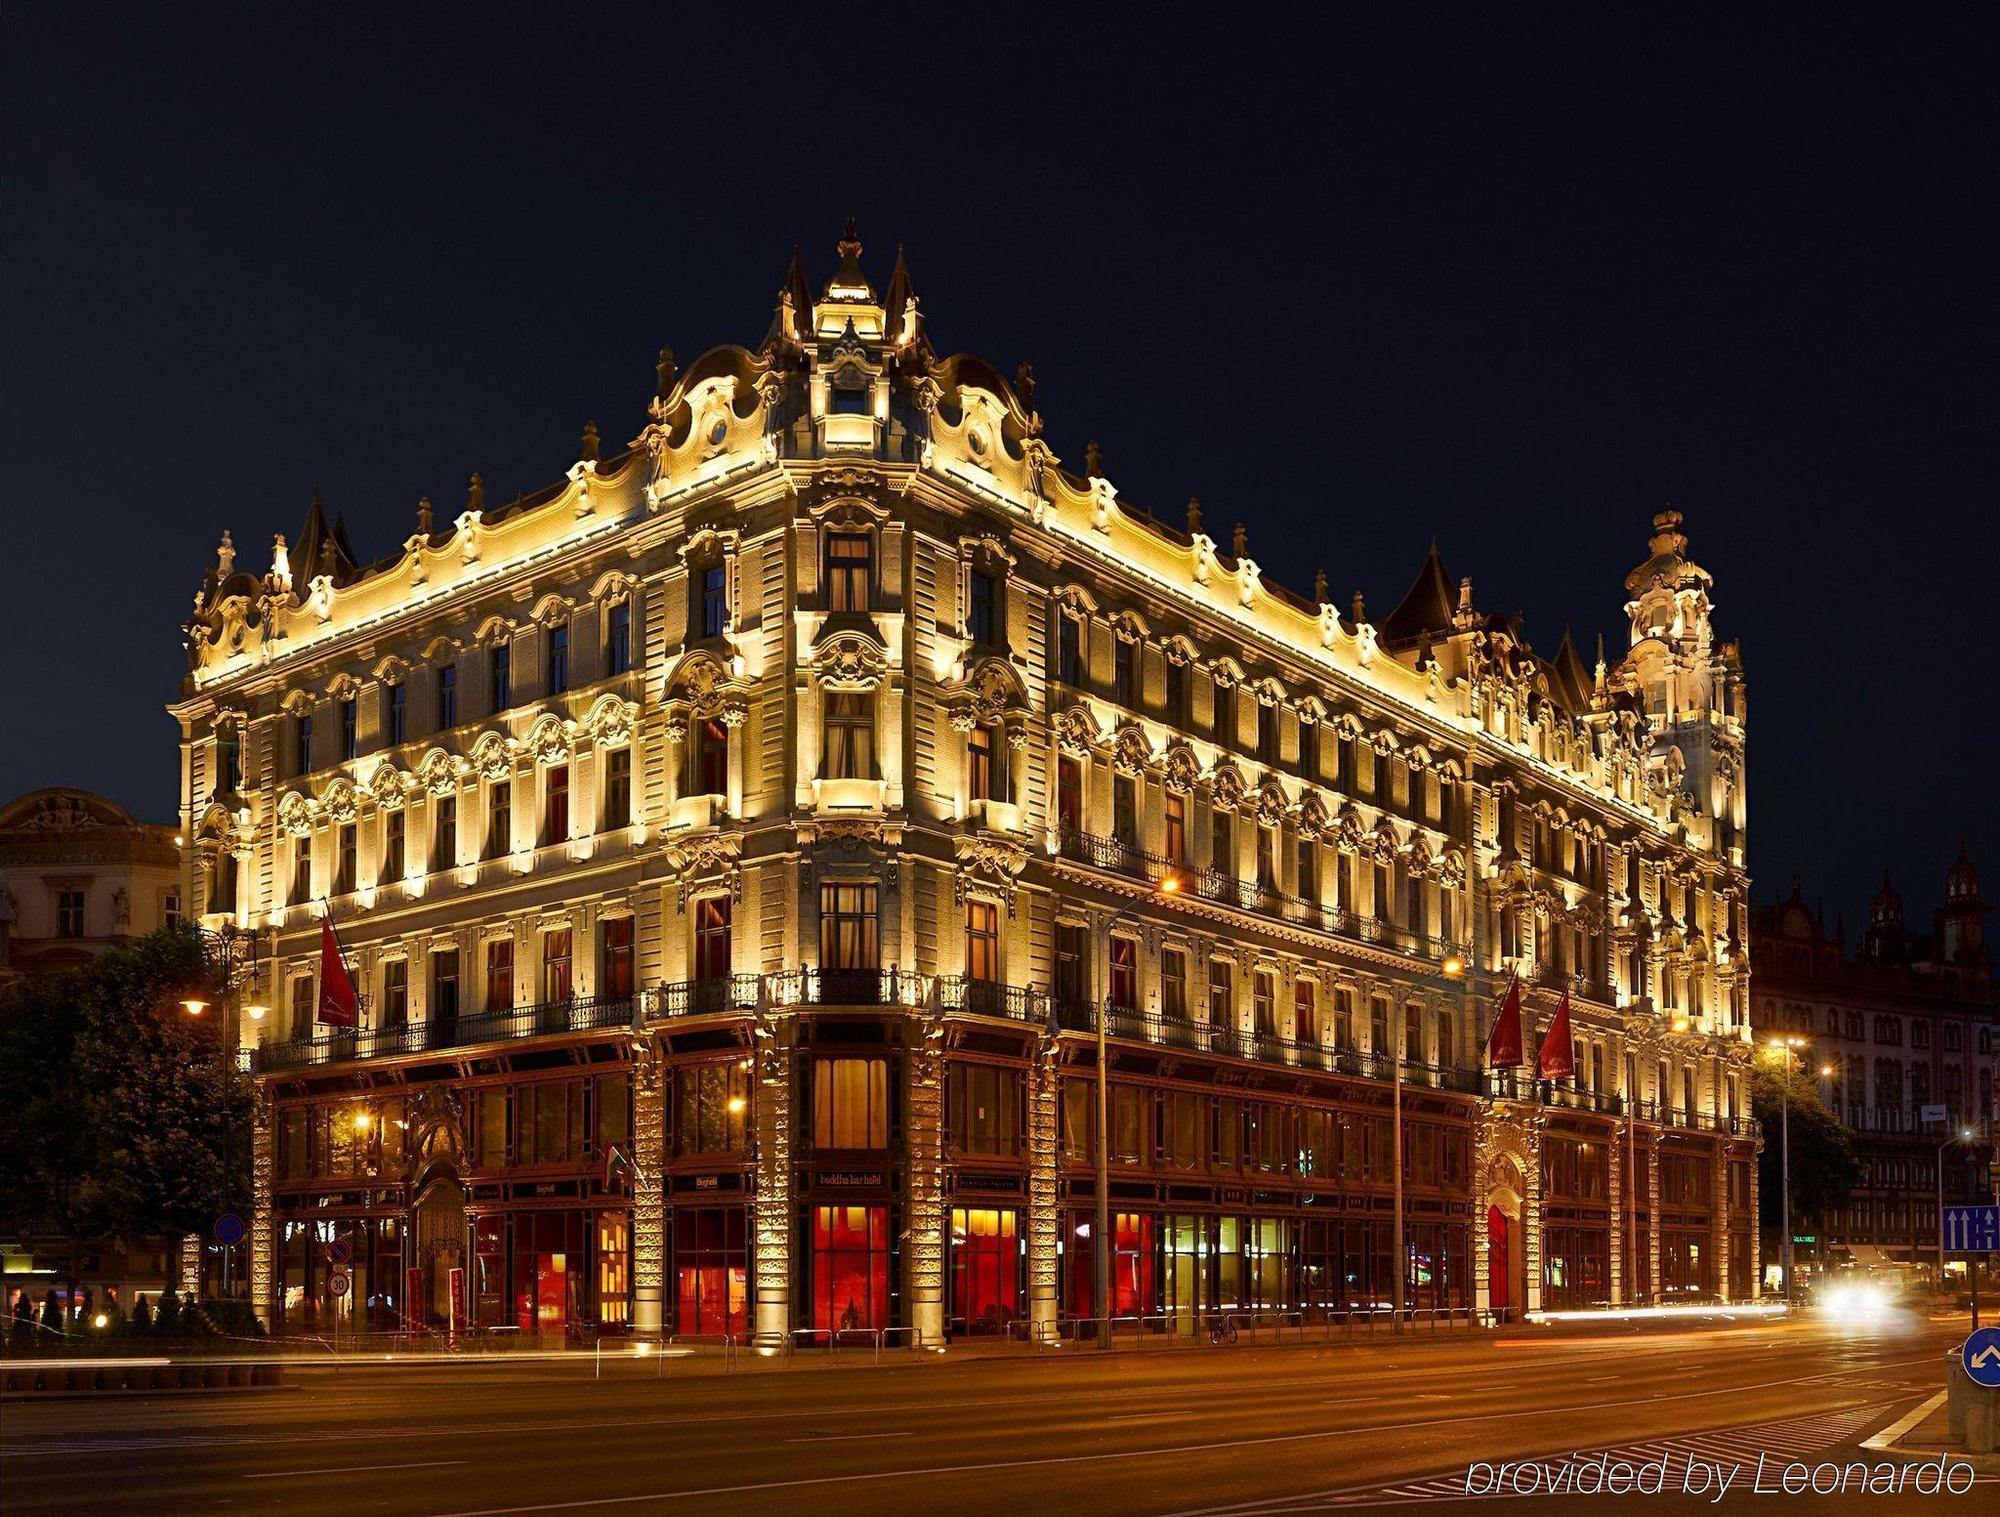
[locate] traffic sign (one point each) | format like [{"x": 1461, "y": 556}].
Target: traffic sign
[
  {"x": 1980, "y": 1354},
  {"x": 1972, "y": 1229},
  {"x": 1933, "y": 1114},
  {"x": 339, "y": 1282},
  {"x": 339, "y": 1251},
  {"x": 229, "y": 1229},
  {"x": 1805, "y": 1237}
]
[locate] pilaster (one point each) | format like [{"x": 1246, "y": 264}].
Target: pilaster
[
  {"x": 1044, "y": 1219},
  {"x": 649, "y": 1209}
]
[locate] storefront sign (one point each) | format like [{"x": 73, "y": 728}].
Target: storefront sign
[{"x": 851, "y": 1179}]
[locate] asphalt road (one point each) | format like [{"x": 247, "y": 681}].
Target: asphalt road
[{"x": 1238, "y": 1430}]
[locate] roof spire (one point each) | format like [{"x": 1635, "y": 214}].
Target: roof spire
[
  {"x": 848, "y": 282},
  {"x": 899, "y": 305}
]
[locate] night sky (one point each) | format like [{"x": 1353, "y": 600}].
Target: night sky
[{"x": 1351, "y": 288}]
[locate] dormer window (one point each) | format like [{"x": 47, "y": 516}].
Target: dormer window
[
  {"x": 849, "y": 567},
  {"x": 850, "y": 399}
]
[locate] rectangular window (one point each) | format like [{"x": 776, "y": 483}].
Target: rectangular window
[
  {"x": 1124, "y": 673},
  {"x": 850, "y": 1103},
  {"x": 982, "y": 619},
  {"x": 395, "y": 993},
  {"x": 1308, "y": 886},
  {"x": 1069, "y": 794},
  {"x": 343, "y": 872},
  {"x": 499, "y": 818},
  {"x": 714, "y": 1108},
  {"x": 302, "y": 871},
  {"x": 444, "y": 833},
  {"x": 848, "y": 938},
  {"x": 1264, "y": 1003},
  {"x": 1072, "y": 964},
  {"x": 395, "y": 712},
  {"x": 1267, "y": 734},
  {"x": 713, "y": 957},
  {"x": 618, "y": 638},
  {"x": 444, "y": 985},
  {"x": 1267, "y": 858},
  {"x": 302, "y": 746},
  {"x": 303, "y": 1005},
  {"x": 1178, "y": 712},
  {"x": 850, "y": 1268},
  {"x": 69, "y": 913},
  {"x": 500, "y": 974},
  {"x": 849, "y": 736},
  {"x": 500, "y": 677},
  {"x": 349, "y": 737},
  {"x": 558, "y": 660},
  {"x": 228, "y": 765},
  {"x": 982, "y": 941},
  {"x": 1173, "y": 983},
  {"x": 447, "y": 697},
  {"x": 1221, "y": 993},
  {"x": 1069, "y": 650},
  {"x": 983, "y": 1105},
  {"x": 708, "y": 757},
  {"x": 1222, "y": 845},
  {"x": 558, "y": 969},
  {"x": 986, "y": 754},
  {"x": 555, "y": 804},
  {"x": 1124, "y": 968},
  {"x": 1305, "y": 1013},
  {"x": 1176, "y": 832},
  {"x": 617, "y": 788},
  {"x": 714, "y": 600},
  {"x": 848, "y": 565},
  {"x": 1224, "y": 725},
  {"x": 615, "y": 954},
  {"x": 394, "y": 830},
  {"x": 1125, "y": 810}
]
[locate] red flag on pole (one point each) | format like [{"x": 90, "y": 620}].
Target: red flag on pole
[
  {"x": 1503, "y": 1044},
  {"x": 1557, "y": 1059},
  {"x": 338, "y": 1006}
]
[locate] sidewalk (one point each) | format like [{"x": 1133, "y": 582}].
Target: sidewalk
[{"x": 1926, "y": 1432}]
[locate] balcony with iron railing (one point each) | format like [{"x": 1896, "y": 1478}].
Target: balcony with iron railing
[
  {"x": 1555, "y": 1095},
  {"x": 1116, "y": 856},
  {"x": 440, "y": 1034}
]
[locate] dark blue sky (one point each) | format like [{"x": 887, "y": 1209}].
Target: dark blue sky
[{"x": 1352, "y": 286}]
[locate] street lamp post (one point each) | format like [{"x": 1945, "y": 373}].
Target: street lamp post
[
  {"x": 1100, "y": 1305},
  {"x": 1788, "y": 1048},
  {"x": 1453, "y": 969},
  {"x": 1965, "y": 1135},
  {"x": 241, "y": 962}
]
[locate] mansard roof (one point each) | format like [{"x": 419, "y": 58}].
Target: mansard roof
[
  {"x": 1569, "y": 679},
  {"x": 1425, "y": 607}
]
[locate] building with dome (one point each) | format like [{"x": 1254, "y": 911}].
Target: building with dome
[
  {"x": 78, "y": 875},
  {"x": 739, "y": 842},
  {"x": 1901, "y": 1036}
]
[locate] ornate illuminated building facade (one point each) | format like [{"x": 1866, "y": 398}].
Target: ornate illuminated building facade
[
  {"x": 80, "y": 874},
  {"x": 1900, "y": 1037},
  {"x": 779, "y": 801}
]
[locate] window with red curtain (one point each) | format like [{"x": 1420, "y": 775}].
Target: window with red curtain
[
  {"x": 850, "y": 1267},
  {"x": 1132, "y": 1273},
  {"x": 712, "y": 1270},
  {"x": 985, "y": 1268}
]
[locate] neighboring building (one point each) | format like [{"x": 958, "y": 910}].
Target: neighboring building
[
  {"x": 1907, "y": 1023},
  {"x": 78, "y": 875},
  {"x": 776, "y": 801}
]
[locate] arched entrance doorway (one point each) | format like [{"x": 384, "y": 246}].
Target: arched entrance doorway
[
  {"x": 1502, "y": 1249},
  {"x": 440, "y": 1255}
]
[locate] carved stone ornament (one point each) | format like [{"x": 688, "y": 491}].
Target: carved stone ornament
[
  {"x": 991, "y": 862},
  {"x": 705, "y": 859},
  {"x": 1132, "y": 753},
  {"x": 438, "y": 772},
  {"x": 1228, "y": 786},
  {"x": 1182, "y": 770},
  {"x": 340, "y": 801},
  {"x": 1076, "y": 732},
  {"x": 850, "y": 661},
  {"x": 1271, "y": 805},
  {"x": 548, "y": 741},
  {"x": 491, "y": 758},
  {"x": 388, "y": 786},
  {"x": 295, "y": 813}
]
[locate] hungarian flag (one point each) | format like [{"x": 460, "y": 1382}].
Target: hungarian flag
[
  {"x": 1557, "y": 1059},
  {"x": 339, "y": 1006},
  {"x": 617, "y": 1167},
  {"x": 1503, "y": 1044}
]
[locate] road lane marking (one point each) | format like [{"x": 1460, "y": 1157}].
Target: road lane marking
[
  {"x": 1047, "y": 1460},
  {"x": 1152, "y": 1416},
  {"x": 356, "y": 1469},
  {"x": 849, "y": 1437}
]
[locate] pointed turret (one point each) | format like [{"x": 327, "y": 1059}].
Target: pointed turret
[
  {"x": 1961, "y": 921},
  {"x": 1569, "y": 678},
  {"x": 848, "y": 282},
  {"x": 1887, "y": 939},
  {"x": 1427, "y": 606},
  {"x": 322, "y": 548},
  {"x": 899, "y": 305}
]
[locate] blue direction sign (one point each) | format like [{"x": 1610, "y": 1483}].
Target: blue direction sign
[
  {"x": 1980, "y": 1354},
  {"x": 229, "y": 1229},
  {"x": 1972, "y": 1229}
]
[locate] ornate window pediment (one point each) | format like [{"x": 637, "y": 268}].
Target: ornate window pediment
[
  {"x": 1312, "y": 820},
  {"x": 611, "y": 721},
  {"x": 1181, "y": 770},
  {"x": 295, "y": 813},
  {"x": 389, "y": 786},
  {"x": 1272, "y": 807},
  {"x": 1130, "y": 752},
  {"x": 437, "y": 771},
  {"x": 493, "y": 756},
  {"x": 849, "y": 660},
  {"x": 991, "y": 691},
  {"x": 1076, "y": 732},
  {"x": 548, "y": 740},
  {"x": 700, "y": 686},
  {"x": 341, "y": 802},
  {"x": 1227, "y": 786}
]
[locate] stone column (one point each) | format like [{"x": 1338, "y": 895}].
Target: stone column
[
  {"x": 1650, "y": 1152},
  {"x": 1718, "y": 1229},
  {"x": 771, "y": 1233},
  {"x": 649, "y": 1197},
  {"x": 1044, "y": 1217},
  {"x": 1531, "y": 1218},
  {"x": 1615, "y": 1168},
  {"x": 1756, "y": 1236},
  {"x": 263, "y": 1227},
  {"x": 923, "y": 1259}
]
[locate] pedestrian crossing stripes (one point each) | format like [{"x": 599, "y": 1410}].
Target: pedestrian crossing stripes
[{"x": 1792, "y": 1438}]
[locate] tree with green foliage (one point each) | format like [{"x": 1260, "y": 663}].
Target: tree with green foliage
[
  {"x": 1824, "y": 1169},
  {"x": 115, "y": 1102}
]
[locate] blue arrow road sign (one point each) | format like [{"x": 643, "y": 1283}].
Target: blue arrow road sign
[
  {"x": 1981, "y": 1356},
  {"x": 1971, "y": 1229}
]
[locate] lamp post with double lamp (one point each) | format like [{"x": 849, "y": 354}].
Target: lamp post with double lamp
[
  {"x": 238, "y": 954},
  {"x": 1100, "y": 1305},
  {"x": 1788, "y": 1049},
  {"x": 196, "y": 1006},
  {"x": 1451, "y": 970}
]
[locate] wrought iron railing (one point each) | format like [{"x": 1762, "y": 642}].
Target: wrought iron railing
[
  {"x": 1120, "y": 856},
  {"x": 339, "y": 1045}
]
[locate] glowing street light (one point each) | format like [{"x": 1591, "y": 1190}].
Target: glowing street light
[{"x": 195, "y": 1005}]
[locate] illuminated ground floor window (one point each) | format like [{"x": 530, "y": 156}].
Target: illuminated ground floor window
[
  {"x": 1576, "y": 1266},
  {"x": 850, "y": 1268},
  {"x": 711, "y": 1270},
  {"x": 985, "y": 1269}
]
